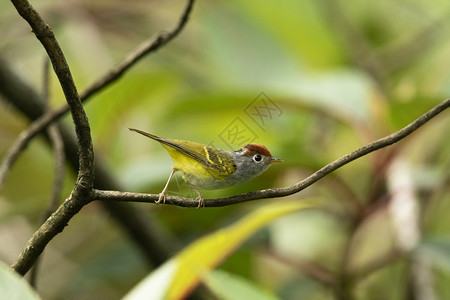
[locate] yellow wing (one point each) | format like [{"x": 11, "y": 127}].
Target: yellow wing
[{"x": 218, "y": 161}]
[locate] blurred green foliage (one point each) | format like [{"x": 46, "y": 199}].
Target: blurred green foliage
[{"x": 343, "y": 73}]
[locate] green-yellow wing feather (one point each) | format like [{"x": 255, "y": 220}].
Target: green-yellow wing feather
[{"x": 215, "y": 159}]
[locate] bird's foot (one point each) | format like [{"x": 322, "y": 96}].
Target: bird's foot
[
  {"x": 201, "y": 202},
  {"x": 162, "y": 197}
]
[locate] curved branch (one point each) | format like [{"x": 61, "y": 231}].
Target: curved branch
[{"x": 281, "y": 192}]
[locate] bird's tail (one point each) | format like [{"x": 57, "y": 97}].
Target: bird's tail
[{"x": 152, "y": 136}]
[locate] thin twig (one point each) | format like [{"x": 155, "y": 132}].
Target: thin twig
[
  {"x": 395, "y": 57},
  {"x": 280, "y": 192},
  {"x": 58, "y": 149},
  {"x": 353, "y": 40},
  {"x": 59, "y": 158},
  {"x": 12, "y": 154},
  {"x": 17, "y": 147},
  {"x": 46, "y": 97},
  {"x": 58, "y": 145}
]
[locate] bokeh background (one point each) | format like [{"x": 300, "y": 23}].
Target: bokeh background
[{"x": 311, "y": 80}]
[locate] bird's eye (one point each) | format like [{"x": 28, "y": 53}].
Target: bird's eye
[{"x": 257, "y": 158}]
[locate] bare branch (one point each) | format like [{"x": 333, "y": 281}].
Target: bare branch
[
  {"x": 281, "y": 192},
  {"x": 145, "y": 48},
  {"x": 58, "y": 146},
  {"x": 58, "y": 181},
  {"x": 59, "y": 158}
]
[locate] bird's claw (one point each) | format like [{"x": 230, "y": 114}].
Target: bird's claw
[
  {"x": 162, "y": 197},
  {"x": 201, "y": 202}
]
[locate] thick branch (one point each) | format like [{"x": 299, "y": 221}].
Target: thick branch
[{"x": 280, "y": 192}]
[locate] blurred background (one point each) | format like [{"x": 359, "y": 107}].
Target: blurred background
[{"x": 311, "y": 80}]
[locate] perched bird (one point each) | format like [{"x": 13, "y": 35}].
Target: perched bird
[{"x": 209, "y": 168}]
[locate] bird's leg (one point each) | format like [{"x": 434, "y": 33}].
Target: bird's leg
[
  {"x": 201, "y": 201},
  {"x": 162, "y": 195}
]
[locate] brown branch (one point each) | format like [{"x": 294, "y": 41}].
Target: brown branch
[
  {"x": 82, "y": 192},
  {"x": 281, "y": 192},
  {"x": 58, "y": 145},
  {"x": 58, "y": 148},
  {"x": 142, "y": 50},
  {"x": 147, "y": 47}
]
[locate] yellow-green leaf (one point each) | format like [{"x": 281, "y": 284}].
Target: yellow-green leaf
[{"x": 204, "y": 254}]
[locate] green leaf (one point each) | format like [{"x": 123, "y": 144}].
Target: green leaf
[
  {"x": 177, "y": 277},
  {"x": 14, "y": 287},
  {"x": 231, "y": 287}
]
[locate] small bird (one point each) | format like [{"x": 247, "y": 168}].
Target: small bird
[{"x": 210, "y": 168}]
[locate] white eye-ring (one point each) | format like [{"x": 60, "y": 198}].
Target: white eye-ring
[{"x": 257, "y": 158}]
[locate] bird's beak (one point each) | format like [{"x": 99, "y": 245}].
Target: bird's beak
[{"x": 275, "y": 160}]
